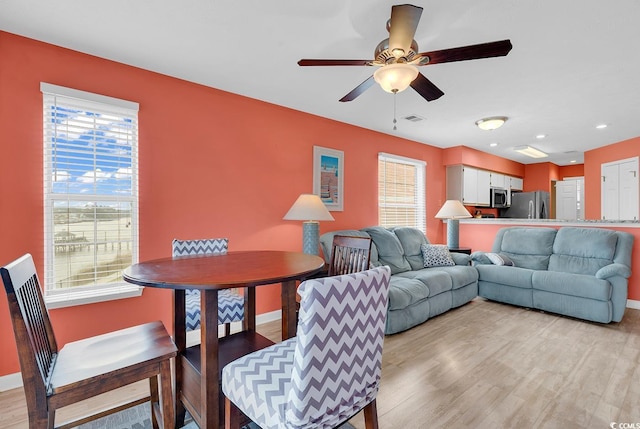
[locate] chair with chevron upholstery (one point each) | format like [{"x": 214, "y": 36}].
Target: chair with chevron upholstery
[
  {"x": 230, "y": 304},
  {"x": 327, "y": 373}
]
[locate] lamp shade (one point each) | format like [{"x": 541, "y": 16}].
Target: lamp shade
[
  {"x": 308, "y": 207},
  {"x": 453, "y": 209},
  {"x": 395, "y": 77}
]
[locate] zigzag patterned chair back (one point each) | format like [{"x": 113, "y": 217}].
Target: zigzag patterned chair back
[
  {"x": 329, "y": 371},
  {"x": 338, "y": 354},
  {"x": 230, "y": 304}
]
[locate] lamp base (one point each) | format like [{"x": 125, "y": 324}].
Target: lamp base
[
  {"x": 453, "y": 233},
  {"x": 310, "y": 237}
]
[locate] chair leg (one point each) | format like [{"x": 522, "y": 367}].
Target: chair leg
[
  {"x": 168, "y": 414},
  {"x": 154, "y": 400},
  {"x": 231, "y": 415},
  {"x": 227, "y": 329},
  {"x": 371, "y": 415}
]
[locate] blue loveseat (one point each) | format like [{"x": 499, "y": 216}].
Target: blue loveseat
[
  {"x": 416, "y": 293},
  {"x": 577, "y": 272}
]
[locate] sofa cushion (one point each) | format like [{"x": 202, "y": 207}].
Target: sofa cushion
[
  {"x": 411, "y": 240},
  {"x": 461, "y": 275},
  {"x": 389, "y": 249},
  {"x": 436, "y": 255},
  {"x": 500, "y": 274},
  {"x": 435, "y": 279},
  {"x": 585, "y": 286},
  {"x": 582, "y": 250},
  {"x": 527, "y": 247},
  {"x": 404, "y": 292}
]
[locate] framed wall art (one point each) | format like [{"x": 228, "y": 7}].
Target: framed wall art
[{"x": 328, "y": 177}]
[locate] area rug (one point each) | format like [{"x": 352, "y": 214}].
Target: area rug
[{"x": 139, "y": 417}]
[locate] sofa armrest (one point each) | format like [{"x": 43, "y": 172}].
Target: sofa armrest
[
  {"x": 614, "y": 269},
  {"x": 461, "y": 258},
  {"x": 480, "y": 258}
]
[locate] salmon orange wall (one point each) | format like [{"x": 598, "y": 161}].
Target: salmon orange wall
[
  {"x": 573, "y": 170},
  {"x": 475, "y": 158},
  {"x": 593, "y": 161},
  {"x": 211, "y": 164},
  {"x": 538, "y": 177}
]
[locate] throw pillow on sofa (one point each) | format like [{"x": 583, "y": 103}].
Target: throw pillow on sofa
[
  {"x": 500, "y": 259},
  {"x": 436, "y": 255}
]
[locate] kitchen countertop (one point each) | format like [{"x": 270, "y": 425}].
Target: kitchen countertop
[{"x": 552, "y": 222}]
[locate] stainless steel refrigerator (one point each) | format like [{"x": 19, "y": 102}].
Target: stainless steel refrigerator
[{"x": 528, "y": 205}]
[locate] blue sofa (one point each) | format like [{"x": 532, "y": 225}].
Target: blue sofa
[
  {"x": 416, "y": 293},
  {"x": 577, "y": 272}
]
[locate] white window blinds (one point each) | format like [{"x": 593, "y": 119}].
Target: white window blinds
[
  {"x": 90, "y": 191},
  {"x": 401, "y": 192}
]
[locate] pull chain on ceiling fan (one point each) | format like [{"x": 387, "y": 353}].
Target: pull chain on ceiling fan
[{"x": 398, "y": 59}]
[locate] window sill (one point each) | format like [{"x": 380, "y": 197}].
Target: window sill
[{"x": 61, "y": 300}]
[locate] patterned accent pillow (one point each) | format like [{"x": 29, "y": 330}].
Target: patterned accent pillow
[
  {"x": 436, "y": 255},
  {"x": 500, "y": 259}
]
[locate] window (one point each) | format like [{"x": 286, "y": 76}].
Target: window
[
  {"x": 90, "y": 195},
  {"x": 401, "y": 192}
]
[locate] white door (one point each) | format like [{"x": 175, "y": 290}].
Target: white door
[
  {"x": 628, "y": 178},
  {"x": 567, "y": 207},
  {"x": 620, "y": 190}
]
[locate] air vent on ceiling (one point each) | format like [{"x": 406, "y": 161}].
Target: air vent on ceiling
[{"x": 414, "y": 118}]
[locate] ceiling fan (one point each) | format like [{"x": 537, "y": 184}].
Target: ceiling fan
[{"x": 397, "y": 57}]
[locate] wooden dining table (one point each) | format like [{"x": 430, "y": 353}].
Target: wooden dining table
[{"x": 197, "y": 368}]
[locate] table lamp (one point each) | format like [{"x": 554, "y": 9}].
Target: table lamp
[
  {"x": 452, "y": 210},
  {"x": 310, "y": 209}
]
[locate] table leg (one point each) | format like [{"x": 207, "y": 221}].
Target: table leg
[
  {"x": 180, "y": 338},
  {"x": 250, "y": 309},
  {"x": 209, "y": 388},
  {"x": 288, "y": 291}
]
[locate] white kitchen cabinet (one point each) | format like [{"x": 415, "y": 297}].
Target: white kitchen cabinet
[
  {"x": 469, "y": 185},
  {"x": 516, "y": 183},
  {"x": 499, "y": 181}
]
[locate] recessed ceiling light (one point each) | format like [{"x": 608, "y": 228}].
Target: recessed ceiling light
[
  {"x": 491, "y": 123},
  {"x": 493, "y": 144},
  {"x": 601, "y": 126},
  {"x": 573, "y": 161},
  {"x": 541, "y": 136}
]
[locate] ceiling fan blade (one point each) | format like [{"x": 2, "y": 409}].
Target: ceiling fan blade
[
  {"x": 404, "y": 21},
  {"x": 426, "y": 88},
  {"x": 355, "y": 92},
  {"x": 307, "y": 62},
  {"x": 471, "y": 52}
]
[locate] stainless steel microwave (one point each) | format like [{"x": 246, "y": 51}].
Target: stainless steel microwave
[{"x": 499, "y": 197}]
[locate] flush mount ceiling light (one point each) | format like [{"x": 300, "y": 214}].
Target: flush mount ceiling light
[
  {"x": 530, "y": 151},
  {"x": 395, "y": 77},
  {"x": 491, "y": 123}
]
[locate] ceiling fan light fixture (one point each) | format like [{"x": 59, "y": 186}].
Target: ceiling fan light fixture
[
  {"x": 530, "y": 151},
  {"x": 492, "y": 123},
  {"x": 395, "y": 77}
]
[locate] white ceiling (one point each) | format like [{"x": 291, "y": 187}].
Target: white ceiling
[{"x": 574, "y": 63}]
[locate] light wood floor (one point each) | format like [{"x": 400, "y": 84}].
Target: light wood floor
[{"x": 487, "y": 365}]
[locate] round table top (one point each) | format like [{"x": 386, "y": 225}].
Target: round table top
[{"x": 233, "y": 269}]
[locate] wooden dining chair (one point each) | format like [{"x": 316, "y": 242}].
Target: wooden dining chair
[
  {"x": 349, "y": 255},
  {"x": 230, "y": 303},
  {"x": 54, "y": 378},
  {"x": 327, "y": 373}
]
